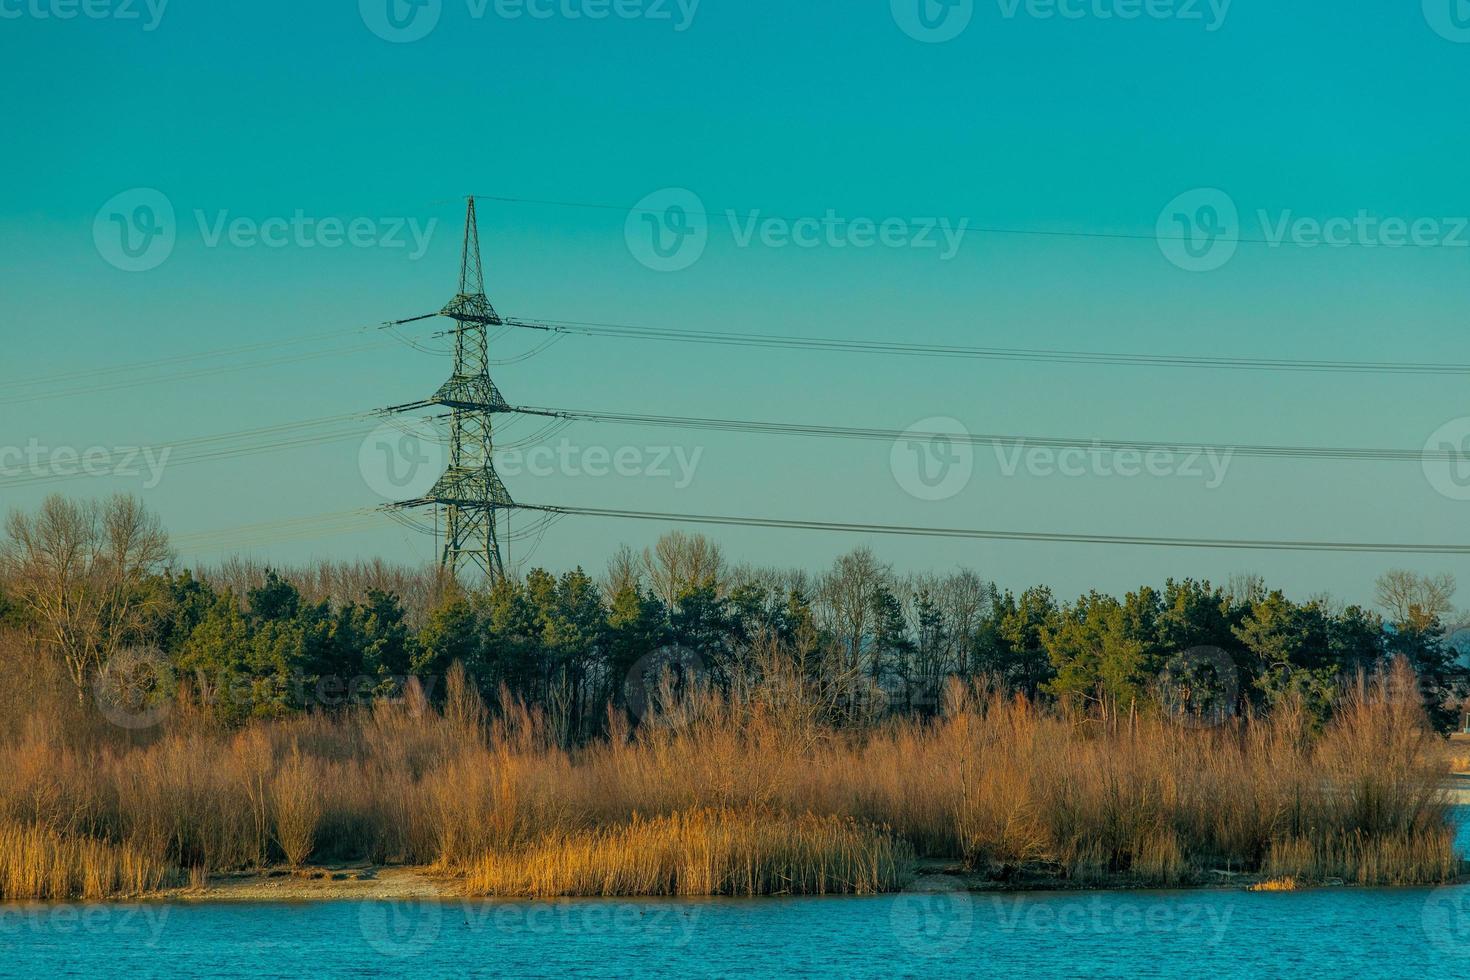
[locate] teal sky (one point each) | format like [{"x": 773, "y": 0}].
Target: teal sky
[{"x": 260, "y": 110}]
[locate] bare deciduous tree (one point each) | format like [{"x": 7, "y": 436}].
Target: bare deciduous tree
[
  {"x": 79, "y": 570},
  {"x": 1416, "y": 601},
  {"x": 623, "y": 572},
  {"x": 680, "y": 561},
  {"x": 847, "y": 593}
]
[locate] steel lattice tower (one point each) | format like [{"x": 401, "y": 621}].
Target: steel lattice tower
[{"x": 470, "y": 490}]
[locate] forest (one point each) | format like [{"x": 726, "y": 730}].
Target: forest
[{"x": 93, "y": 588}]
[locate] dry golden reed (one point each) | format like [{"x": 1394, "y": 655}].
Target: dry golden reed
[
  {"x": 41, "y": 865},
  {"x": 702, "y": 852},
  {"x": 714, "y": 795}
]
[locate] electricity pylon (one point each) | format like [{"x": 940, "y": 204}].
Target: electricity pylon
[{"x": 470, "y": 491}]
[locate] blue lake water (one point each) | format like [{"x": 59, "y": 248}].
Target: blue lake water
[
  {"x": 1346, "y": 932},
  {"x": 1357, "y": 932}
]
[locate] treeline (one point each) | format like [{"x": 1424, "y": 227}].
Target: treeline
[{"x": 93, "y": 588}]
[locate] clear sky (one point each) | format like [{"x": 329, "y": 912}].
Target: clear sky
[{"x": 1076, "y": 117}]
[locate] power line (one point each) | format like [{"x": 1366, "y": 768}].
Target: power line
[
  {"x": 104, "y": 378},
  {"x": 1029, "y": 536},
  {"x": 979, "y": 439},
  {"x": 748, "y": 216},
  {"x": 212, "y": 448},
  {"x": 624, "y": 331},
  {"x": 339, "y": 428}
]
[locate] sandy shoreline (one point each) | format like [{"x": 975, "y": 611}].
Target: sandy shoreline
[
  {"x": 336, "y": 884},
  {"x": 319, "y": 884}
]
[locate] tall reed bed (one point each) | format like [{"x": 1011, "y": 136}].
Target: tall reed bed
[
  {"x": 721, "y": 796},
  {"x": 701, "y": 852},
  {"x": 37, "y": 864}
]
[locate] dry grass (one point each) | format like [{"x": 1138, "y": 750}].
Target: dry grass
[
  {"x": 702, "y": 852},
  {"x": 41, "y": 865},
  {"x": 748, "y": 796}
]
